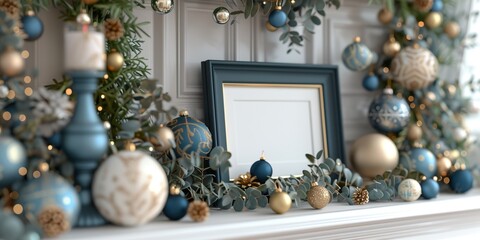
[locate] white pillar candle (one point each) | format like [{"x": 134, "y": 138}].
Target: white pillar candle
[{"x": 84, "y": 50}]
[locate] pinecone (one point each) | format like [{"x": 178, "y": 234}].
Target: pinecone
[
  {"x": 53, "y": 221},
  {"x": 10, "y": 6},
  {"x": 360, "y": 196},
  {"x": 246, "y": 181},
  {"x": 198, "y": 210},
  {"x": 113, "y": 29}
]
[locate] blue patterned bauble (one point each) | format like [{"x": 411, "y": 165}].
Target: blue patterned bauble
[
  {"x": 261, "y": 169},
  {"x": 371, "y": 82},
  {"x": 12, "y": 157},
  {"x": 11, "y": 227},
  {"x": 437, "y": 6},
  {"x": 430, "y": 188},
  {"x": 176, "y": 206},
  {"x": 32, "y": 26},
  {"x": 421, "y": 160},
  {"x": 357, "y": 56},
  {"x": 49, "y": 191},
  {"x": 461, "y": 181},
  {"x": 389, "y": 113},
  {"x": 191, "y": 135},
  {"x": 277, "y": 18}
]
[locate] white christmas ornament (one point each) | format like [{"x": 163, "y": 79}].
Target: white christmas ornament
[
  {"x": 409, "y": 190},
  {"x": 130, "y": 188},
  {"x": 415, "y": 67},
  {"x": 459, "y": 134}
]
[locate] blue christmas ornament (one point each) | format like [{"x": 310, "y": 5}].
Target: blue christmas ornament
[
  {"x": 461, "y": 181},
  {"x": 437, "y": 6},
  {"x": 261, "y": 169},
  {"x": 389, "y": 113},
  {"x": 32, "y": 26},
  {"x": 371, "y": 82},
  {"x": 357, "y": 56},
  {"x": 176, "y": 206},
  {"x": 50, "y": 190},
  {"x": 11, "y": 227},
  {"x": 191, "y": 135},
  {"x": 421, "y": 160},
  {"x": 277, "y": 17},
  {"x": 12, "y": 157},
  {"x": 430, "y": 189}
]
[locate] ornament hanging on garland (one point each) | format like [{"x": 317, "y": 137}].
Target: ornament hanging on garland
[
  {"x": 32, "y": 26},
  {"x": 452, "y": 29},
  {"x": 11, "y": 63},
  {"x": 261, "y": 169},
  {"x": 221, "y": 15},
  {"x": 357, "y": 56},
  {"x": 391, "y": 47},
  {"x": 423, "y": 6},
  {"x": 198, "y": 211},
  {"x": 270, "y": 27},
  {"x": 430, "y": 188},
  {"x": 433, "y": 20},
  {"x": 437, "y": 6},
  {"x": 114, "y": 61},
  {"x": 373, "y": 154},
  {"x": 421, "y": 160},
  {"x": 162, "y": 6},
  {"x": 371, "y": 82},
  {"x": 120, "y": 184},
  {"x": 414, "y": 67},
  {"x": 385, "y": 16},
  {"x": 318, "y": 197},
  {"x": 280, "y": 202},
  {"x": 176, "y": 206},
  {"x": 277, "y": 17},
  {"x": 409, "y": 190},
  {"x": 414, "y": 133},
  {"x": 12, "y": 157},
  {"x": 443, "y": 166},
  {"x": 461, "y": 181},
  {"x": 164, "y": 140},
  {"x": 114, "y": 29},
  {"x": 389, "y": 113},
  {"x": 191, "y": 135}
]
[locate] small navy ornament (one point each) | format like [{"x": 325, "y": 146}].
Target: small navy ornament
[
  {"x": 461, "y": 181},
  {"x": 32, "y": 26},
  {"x": 277, "y": 17},
  {"x": 12, "y": 157},
  {"x": 357, "y": 56},
  {"x": 430, "y": 188},
  {"x": 389, "y": 113},
  {"x": 371, "y": 82},
  {"x": 437, "y": 6},
  {"x": 261, "y": 169},
  {"x": 176, "y": 206}
]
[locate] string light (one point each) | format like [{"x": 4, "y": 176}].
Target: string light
[
  {"x": 412, "y": 105},
  {"x": 102, "y": 96},
  {"x": 25, "y": 54},
  {"x": 44, "y": 167},
  {"x": 28, "y": 91},
  {"x": 386, "y": 70},
  {"x": 11, "y": 94},
  {"x": 419, "y": 123},
  {"x": 22, "y": 117},
  {"x": 27, "y": 79},
  {"x": 37, "y": 174},
  {"x": 22, "y": 171},
  {"x": 49, "y": 147},
  {"x": 105, "y": 76},
  {"x": 411, "y": 98},
  {"x": 112, "y": 143},
  {"x": 7, "y": 116},
  {"x": 99, "y": 108},
  {"x": 68, "y": 91},
  {"x": 446, "y": 180},
  {"x": 422, "y": 106},
  {"x": 421, "y": 24},
  {"x": 150, "y": 149},
  {"x": 18, "y": 209}
]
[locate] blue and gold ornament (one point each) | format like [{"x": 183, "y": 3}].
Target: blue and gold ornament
[
  {"x": 389, "y": 113},
  {"x": 461, "y": 181},
  {"x": 176, "y": 206},
  {"x": 357, "y": 56},
  {"x": 261, "y": 169},
  {"x": 12, "y": 158},
  {"x": 421, "y": 160},
  {"x": 32, "y": 26},
  {"x": 191, "y": 136}
]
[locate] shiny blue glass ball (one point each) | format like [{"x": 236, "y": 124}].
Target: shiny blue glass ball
[
  {"x": 32, "y": 26},
  {"x": 461, "y": 181},
  {"x": 357, "y": 56},
  {"x": 437, "y": 6},
  {"x": 389, "y": 113},
  {"x": 191, "y": 135},
  {"x": 371, "y": 82},
  {"x": 11, "y": 227},
  {"x": 12, "y": 157},
  {"x": 262, "y": 170},
  {"x": 176, "y": 207},
  {"x": 430, "y": 188},
  {"x": 421, "y": 160},
  {"x": 277, "y": 18}
]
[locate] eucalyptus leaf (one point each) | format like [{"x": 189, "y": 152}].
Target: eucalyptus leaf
[
  {"x": 251, "y": 203},
  {"x": 262, "y": 201},
  {"x": 238, "y": 204}
]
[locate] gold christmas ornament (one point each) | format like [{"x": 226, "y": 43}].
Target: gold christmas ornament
[
  {"x": 433, "y": 20},
  {"x": 452, "y": 29},
  {"x": 83, "y": 17},
  {"x": 280, "y": 202},
  {"x": 11, "y": 63},
  {"x": 423, "y": 5},
  {"x": 391, "y": 47},
  {"x": 11, "y": 7},
  {"x": 414, "y": 133},
  {"x": 318, "y": 197},
  {"x": 113, "y": 29},
  {"x": 53, "y": 221},
  {"x": 89, "y": 2},
  {"x": 444, "y": 165},
  {"x": 198, "y": 211},
  {"x": 114, "y": 61},
  {"x": 270, "y": 27},
  {"x": 246, "y": 181},
  {"x": 373, "y": 154},
  {"x": 385, "y": 16},
  {"x": 360, "y": 196},
  {"x": 164, "y": 140}
]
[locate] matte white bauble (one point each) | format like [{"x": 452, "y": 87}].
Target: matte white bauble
[
  {"x": 130, "y": 188},
  {"x": 409, "y": 190}
]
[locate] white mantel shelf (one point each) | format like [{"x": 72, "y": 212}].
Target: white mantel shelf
[{"x": 450, "y": 216}]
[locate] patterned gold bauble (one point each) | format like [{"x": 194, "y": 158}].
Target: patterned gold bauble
[
  {"x": 414, "y": 67},
  {"x": 89, "y": 2},
  {"x": 164, "y": 139},
  {"x": 198, "y": 211},
  {"x": 360, "y": 196},
  {"x": 373, "y": 154},
  {"x": 318, "y": 197},
  {"x": 452, "y": 29},
  {"x": 114, "y": 61},
  {"x": 391, "y": 47},
  {"x": 114, "y": 29},
  {"x": 11, "y": 63},
  {"x": 423, "y": 5},
  {"x": 270, "y": 27},
  {"x": 443, "y": 166},
  {"x": 433, "y": 20},
  {"x": 414, "y": 133},
  {"x": 280, "y": 202},
  {"x": 385, "y": 16}
]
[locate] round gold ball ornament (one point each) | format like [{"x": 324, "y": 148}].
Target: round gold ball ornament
[
  {"x": 414, "y": 133},
  {"x": 11, "y": 63},
  {"x": 443, "y": 166},
  {"x": 318, "y": 197},
  {"x": 270, "y": 27},
  {"x": 423, "y": 5},
  {"x": 385, "y": 16},
  {"x": 373, "y": 154},
  {"x": 452, "y": 29},
  {"x": 433, "y": 20},
  {"x": 164, "y": 140},
  {"x": 391, "y": 47},
  {"x": 114, "y": 61},
  {"x": 280, "y": 202}
]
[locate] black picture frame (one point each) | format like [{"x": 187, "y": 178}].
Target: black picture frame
[{"x": 216, "y": 73}]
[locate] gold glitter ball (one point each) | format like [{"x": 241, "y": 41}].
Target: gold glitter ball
[{"x": 318, "y": 197}]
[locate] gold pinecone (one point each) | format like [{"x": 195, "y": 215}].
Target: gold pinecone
[
  {"x": 246, "y": 181},
  {"x": 10, "y": 6},
  {"x": 113, "y": 29},
  {"x": 53, "y": 221},
  {"x": 360, "y": 196},
  {"x": 198, "y": 211}
]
